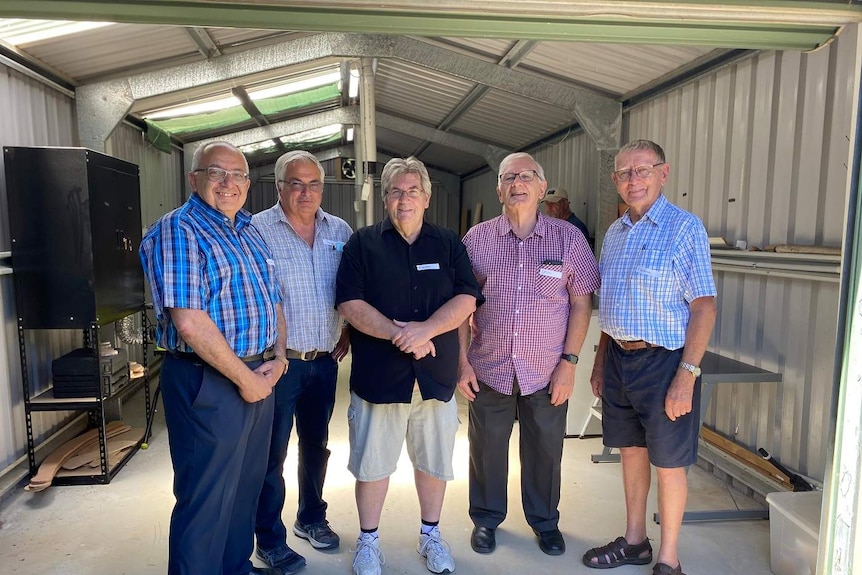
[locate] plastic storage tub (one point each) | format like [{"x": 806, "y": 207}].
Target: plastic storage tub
[{"x": 794, "y": 531}]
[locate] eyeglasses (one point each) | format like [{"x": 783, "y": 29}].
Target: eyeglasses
[
  {"x": 296, "y": 186},
  {"x": 218, "y": 175},
  {"x": 526, "y": 176},
  {"x": 624, "y": 176},
  {"x": 397, "y": 194}
]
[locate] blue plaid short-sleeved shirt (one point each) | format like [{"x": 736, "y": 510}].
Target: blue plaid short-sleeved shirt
[
  {"x": 651, "y": 270},
  {"x": 195, "y": 258}
]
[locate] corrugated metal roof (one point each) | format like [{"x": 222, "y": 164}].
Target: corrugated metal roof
[
  {"x": 510, "y": 121},
  {"x": 416, "y": 92}
]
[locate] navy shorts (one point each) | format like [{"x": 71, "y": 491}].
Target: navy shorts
[{"x": 636, "y": 384}]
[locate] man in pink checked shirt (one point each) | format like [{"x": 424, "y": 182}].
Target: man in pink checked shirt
[{"x": 537, "y": 274}]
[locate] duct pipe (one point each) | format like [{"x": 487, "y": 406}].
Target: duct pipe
[
  {"x": 368, "y": 134},
  {"x": 359, "y": 178}
]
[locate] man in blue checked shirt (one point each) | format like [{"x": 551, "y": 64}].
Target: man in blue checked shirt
[
  {"x": 220, "y": 320},
  {"x": 656, "y": 313},
  {"x": 306, "y": 244}
]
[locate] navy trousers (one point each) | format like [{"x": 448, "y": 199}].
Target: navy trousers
[
  {"x": 217, "y": 443},
  {"x": 305, "y": 392}
]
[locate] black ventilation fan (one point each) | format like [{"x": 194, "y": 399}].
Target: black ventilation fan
[{"x": 348, "y": 168}]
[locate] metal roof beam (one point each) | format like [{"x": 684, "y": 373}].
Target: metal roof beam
[
  {"x": 203, "y": 42},
  {"x": 600, "y": 116}
]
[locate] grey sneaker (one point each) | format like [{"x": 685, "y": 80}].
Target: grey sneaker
[
  {"x": 438, "y": 557},
  {"x": 283, "y": 558},
  {"x": 368, "y": 557},
  {"x": 320, "y": 535}
]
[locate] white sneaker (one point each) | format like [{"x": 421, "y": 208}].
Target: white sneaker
[
  {"x": 368, "y": 557},
  {"x": 435, "y": 550}
]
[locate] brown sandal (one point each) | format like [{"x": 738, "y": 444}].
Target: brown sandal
[{"x": 618, "y": 552}]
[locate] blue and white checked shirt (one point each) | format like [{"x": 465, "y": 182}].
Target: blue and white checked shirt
[
  {"x": 306, "y": 276},
  {"x": 651, "y": 271},
  {"x": 195, "y": 259}
]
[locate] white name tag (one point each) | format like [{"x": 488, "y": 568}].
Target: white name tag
[
  {"x": 550, "y": 273},
  {"x": 424, "y": 267}
]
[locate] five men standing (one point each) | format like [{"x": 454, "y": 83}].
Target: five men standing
[
  {"x": 537, "y": 275},
  {"x": 306, "y": 244}
]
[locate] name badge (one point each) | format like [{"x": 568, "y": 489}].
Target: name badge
[
  {"x": 550, "y": 273},
  {"x": 424, "y": 267}
]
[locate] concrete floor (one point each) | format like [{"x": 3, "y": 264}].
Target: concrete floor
[{"x": 122, "y": 528}]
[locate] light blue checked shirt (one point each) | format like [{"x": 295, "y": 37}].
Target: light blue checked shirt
[
  {"x": 306, "y": 276},
  {"x": 194, "y": 258},
  {"x": 651, "y": 271}
]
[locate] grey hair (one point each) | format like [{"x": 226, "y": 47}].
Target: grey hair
[
  {"x": 642, "y": 146},
  {"x": 400, "y": 166},
  {"x": 522, "y": 155},
  {"x": 199, "y": 153},
  {"x": 286, "y": 160}
]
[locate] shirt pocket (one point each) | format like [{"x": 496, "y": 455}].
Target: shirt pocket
[
  {"x": 550, "y": 283},
  {"x": 654, "y": 273}
]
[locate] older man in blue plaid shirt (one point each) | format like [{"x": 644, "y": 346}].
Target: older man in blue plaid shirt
[
  {"x": 656, "y": 312},
  {"x": 219, "y": 318},
  {"x": 306, "y": 245}
]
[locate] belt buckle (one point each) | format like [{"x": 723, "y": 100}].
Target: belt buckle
[{"x": 309, "y": 355}]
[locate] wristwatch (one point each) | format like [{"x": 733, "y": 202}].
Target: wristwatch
[
  {"x": 693, "y": 369},
  {"x": 570, "y": 357}
]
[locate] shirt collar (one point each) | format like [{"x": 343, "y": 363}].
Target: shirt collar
[
  {"x": 241, "y": 219},
  {"x": 657, "y": 213},
  {"x": 504, "y": 226}
]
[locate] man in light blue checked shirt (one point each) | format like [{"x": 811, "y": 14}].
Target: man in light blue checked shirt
[
  {"x": 656, "y": 313},
  {"x": 306, "y": 244}
]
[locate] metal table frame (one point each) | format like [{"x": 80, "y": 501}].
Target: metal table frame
[{"x": 716, "y": 369}]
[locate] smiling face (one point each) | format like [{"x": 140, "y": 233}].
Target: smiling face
[
  {"x": 520, "y": 196},
  {"x": 227, "y": 196},
  {"x": 300, "y": 189},
  {"x": 640, "y": 193},
  {"x": 406, "y": 213}
]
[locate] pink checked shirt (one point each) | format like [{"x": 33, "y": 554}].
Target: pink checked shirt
[{"x": 521, "y": 328}]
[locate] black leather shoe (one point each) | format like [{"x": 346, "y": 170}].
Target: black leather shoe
[
  {"x": 265, "y": 571},
  {"x": 551, "y": 542},
  {"x": 483, "y": 540}
]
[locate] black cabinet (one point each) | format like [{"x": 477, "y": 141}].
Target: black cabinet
[{"x": 75, "y": 223}]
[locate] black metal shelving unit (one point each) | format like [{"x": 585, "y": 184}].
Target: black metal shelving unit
[{"x": 75, "y": 223}]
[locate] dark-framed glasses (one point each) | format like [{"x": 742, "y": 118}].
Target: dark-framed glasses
[
  {"x": 219, "y": 175},
  {"x": 624, "y": 176},
  {"x": 526, "y": 176},
  {"x": 296, "y": 186},
  {"x": 397, "y": 194}
]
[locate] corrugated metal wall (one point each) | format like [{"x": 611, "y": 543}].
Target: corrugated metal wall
[{"x": 32, "y": 114}]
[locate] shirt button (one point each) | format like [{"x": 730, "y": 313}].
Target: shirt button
[
  {"x": 415, "y": 311},
  {"x": 519, "y": 288},
  {"x": 515, "y": 334},
  {"x": 520, "y": 265},
  {"x": 514, "y": 356},
  {"x": 415, "y": 288},
  {"x": 517, "y": 311}
]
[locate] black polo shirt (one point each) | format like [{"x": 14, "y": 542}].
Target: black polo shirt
[{"x": 407, "y": 282}]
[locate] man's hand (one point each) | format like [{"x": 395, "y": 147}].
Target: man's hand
[
  {"x": 562, "y": 383},
  {"x": 677, "y": 402},
  {"x": 597, "y": 382},
  {"x": 412, "y": 335},
  {"x": 343, "y": 345},
  {"x": 467, "y": 384},
  {"x": 258, "y": 386},
  {"x": 423, "y": 350}
]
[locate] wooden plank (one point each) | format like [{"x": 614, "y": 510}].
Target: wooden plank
[{"x": 745, "y": 456}]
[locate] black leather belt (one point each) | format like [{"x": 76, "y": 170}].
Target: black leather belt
[
  {"x": 265, "y": 355},
  {"x": 305, "y": 355},
  {"x": 634, "y": 345}
]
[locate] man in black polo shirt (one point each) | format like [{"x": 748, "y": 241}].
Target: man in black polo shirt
[{"x": 405, "y": 286}]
